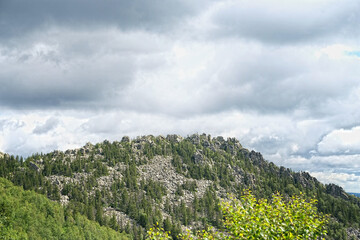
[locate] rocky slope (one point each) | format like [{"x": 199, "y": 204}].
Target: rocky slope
[{"x": 172, "y": 180}]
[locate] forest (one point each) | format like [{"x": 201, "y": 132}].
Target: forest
[{"x": 176, "y": 183}]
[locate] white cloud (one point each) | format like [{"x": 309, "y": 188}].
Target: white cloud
[
  {"x": 335, "y": 51},
  {"x": 341, "y": 141},
  {"x": 350, "y": 182},
  {"x": 36, "y": 135}
]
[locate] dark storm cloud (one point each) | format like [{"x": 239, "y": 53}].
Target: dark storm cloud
[
  {"x": 21, "y": 16},
  {"x": 286, "y": 22},
  {"x": 38, "y": 83}
]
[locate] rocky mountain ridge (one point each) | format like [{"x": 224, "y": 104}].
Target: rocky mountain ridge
[
  {"x": 174, "y": 180},
  {"x": 154, "y": 169}
]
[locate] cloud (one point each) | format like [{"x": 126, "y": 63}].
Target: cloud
[
  {"x": 33, "y": 134},
  {"x": 11, "y": 124},
  {"x": 348, "y": 181},
  {"x": 144, "y": 71},
  {"x": 334, "y": 163},
  {"x": 345, "y": 141},
  {"x": 22, "y": 17},
  {"x": 213, "y": 77},
  {"x": 49, "y": 125},
  {"x": 285, "y": 21},
  {"x": 343, "y": 170},
  {"x": 50, "y": 71}
]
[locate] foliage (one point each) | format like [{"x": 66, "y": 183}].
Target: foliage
[
  {"x": 28, "y": 215},
  {"x": 158, "y": 233},
  {"x": 249, "y": 218}
]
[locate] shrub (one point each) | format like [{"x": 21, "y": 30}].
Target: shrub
[{"x": 249, "y": 218}]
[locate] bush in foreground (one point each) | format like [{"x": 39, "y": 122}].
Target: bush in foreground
[{"x": 249, "y": 218}]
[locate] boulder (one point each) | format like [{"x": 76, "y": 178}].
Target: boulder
[
  {"x": 198, "y": 157},
  {"x": 195, "y": 139},
  {"x": 174, "y": 138},
  {"x": 34, "y": 166}
]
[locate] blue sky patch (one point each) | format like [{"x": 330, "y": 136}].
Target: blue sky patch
[{"x": 353, "y": 53}]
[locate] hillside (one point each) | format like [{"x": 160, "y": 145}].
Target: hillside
[
  {"x": 29, "y": 215},
  {"x": 178, "y": 182}
]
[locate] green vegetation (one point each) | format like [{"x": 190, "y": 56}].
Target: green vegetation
[
  {"x": 184, "y": 190},
  {"x": 249, "y": 218},
  {"x": 28, "y": 215}
]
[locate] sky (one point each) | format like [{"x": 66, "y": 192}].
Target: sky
[{"x": 283, "y": 77}]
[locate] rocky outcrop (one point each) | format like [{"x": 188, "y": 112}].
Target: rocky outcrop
[
  {"x": 174, "y": 138},
  {"x": 125, "y": 139},
  {"x": 353, "y": 233},
  {"x": 161, "y": 170},
  {"x": 114, "y": 173},
  {"x": 140, "y": 142},
  {"x": 195, "y": 139},
  {"x": 285, "y": 172},
  {"x": 198, "y": 157},
  {"x": 34, "y": 166},
  {"x": 120, "y": 217},
  {"x": 255, "y": 157},
  {"x": 336, "y": 191},
  {"x": 305, "y": 179}
]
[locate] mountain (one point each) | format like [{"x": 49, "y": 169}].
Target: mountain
[
  {"x": 355, "y": 194},
  {"x": 132, "y": 184}
]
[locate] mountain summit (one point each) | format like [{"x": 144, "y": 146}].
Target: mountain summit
[{"x": 132, "y": 184}]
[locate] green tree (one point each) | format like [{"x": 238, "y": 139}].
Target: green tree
[{"x": 249, "y": 218}]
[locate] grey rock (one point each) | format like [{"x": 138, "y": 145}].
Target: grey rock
[
  {"x": 220, "y": 139},
  {"x": 336, "y": 191},
  {"x": 305, "y": 179},
  {"x": 99, "y": 151},
  {"x": 34, "y": 166},
  {"x": 89, "y": 146},
  {"x": 82, "y": 151},
  {"x": 174, "y": 138},
  {"x": 206, "y": 143},
  {"x": 353, "y": 233},
  {"x": 56, "y": 153},
  {"x": 125, "y": 139},
  {"x": 161, "y": 138},
  {"x": 198, "y": 157},
  {"x": 195, "y": 139},
  {"x": 234, "y": 142}
]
